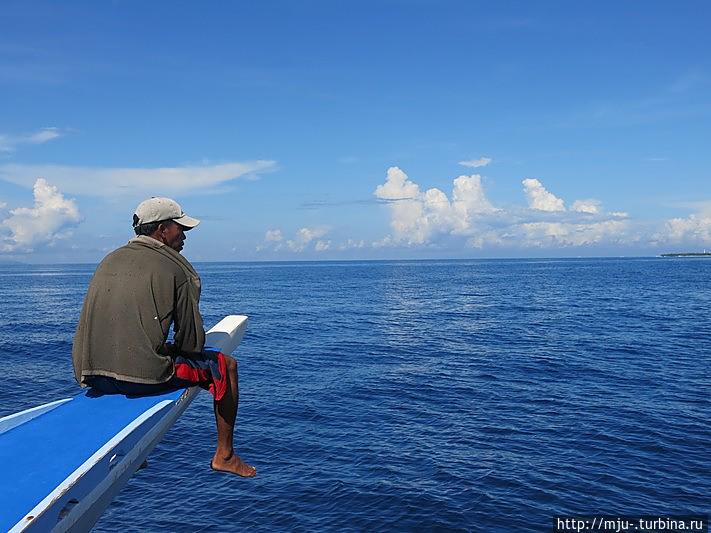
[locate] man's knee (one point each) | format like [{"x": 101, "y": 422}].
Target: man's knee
[{"x": 231, "y": 364}]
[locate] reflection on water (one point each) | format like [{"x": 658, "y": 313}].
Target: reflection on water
[{"x": 472, "y": 395}]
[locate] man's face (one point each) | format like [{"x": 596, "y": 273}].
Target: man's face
[{"x": 174, "y": 235}]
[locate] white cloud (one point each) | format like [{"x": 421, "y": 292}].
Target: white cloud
[
  {"x": 322, "y": 246},
  {"x": 539, "y": 198},
  {"x": 476, "y": 163},
  {"x": 49, "y": 220},
  {"x": 273, "y": 235},
  {"x": 385, "y": 242},
  {"x": 9, "y": 143},
  {"x": 490, "y": 236},
  {"x": 586, "y": 206},
  {"x": 469, "y": 198},
  {"x": 96, "y": 181},
  {"x": 696, "y": 228},
  {"x": 543, "y": 234},
  {"x": 351, "y": 244},
  {"x": 397, "y": 186},
  {"x": 305, "y": 238},
  {"x": 44, "y": 135},
  {"x": 406, "y": 205},
  {"x": 416, "y": 216}
]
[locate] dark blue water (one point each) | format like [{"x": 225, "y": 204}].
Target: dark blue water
[{"x": 479, "y": 395}]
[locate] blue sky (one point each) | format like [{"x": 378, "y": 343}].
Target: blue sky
[{"x": 357, "y": 130}]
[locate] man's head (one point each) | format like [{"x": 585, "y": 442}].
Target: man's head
[{"x": 164, "y": 220}]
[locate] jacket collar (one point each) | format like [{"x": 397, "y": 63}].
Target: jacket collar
[{"x": 150, "y": 242}]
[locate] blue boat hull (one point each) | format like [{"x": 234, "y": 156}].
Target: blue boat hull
[{"x": 64, "y": 462}]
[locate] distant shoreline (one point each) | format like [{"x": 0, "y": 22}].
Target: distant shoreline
[{"x": 688, "y": 254}]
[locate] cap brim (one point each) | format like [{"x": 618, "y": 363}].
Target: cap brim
[{"x": 186, "y": 221}]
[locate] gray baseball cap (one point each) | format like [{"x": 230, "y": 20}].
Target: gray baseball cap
[{"x": 159, "y": 209}]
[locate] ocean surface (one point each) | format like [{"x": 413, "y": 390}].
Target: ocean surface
[{"x": 451, "y": 395}]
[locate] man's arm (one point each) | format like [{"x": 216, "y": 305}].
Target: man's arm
[{"x": 187, "y": 322}]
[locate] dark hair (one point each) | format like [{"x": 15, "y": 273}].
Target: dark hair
[{"x": 146, "y": 229}]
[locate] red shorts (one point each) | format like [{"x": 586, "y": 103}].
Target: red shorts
[{"x": 207, "y": 370}]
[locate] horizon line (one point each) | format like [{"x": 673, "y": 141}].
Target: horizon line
[{"x": 410, "y": 260}]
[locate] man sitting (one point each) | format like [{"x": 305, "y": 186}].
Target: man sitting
[{"x": 136, "y": 293}]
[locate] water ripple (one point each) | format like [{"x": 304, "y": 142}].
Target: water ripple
[{"x": 458, "y": 396}]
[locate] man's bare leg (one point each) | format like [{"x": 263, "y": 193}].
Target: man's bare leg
[{"x": 225, "y": 458}]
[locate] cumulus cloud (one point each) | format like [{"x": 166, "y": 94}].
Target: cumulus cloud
[
  {"x": 542, "y": 234},
  {"x": 48, "y": 220},
  {"x": 586, "y": 206},
  {"x": 322, "y": 246},
  {"x": 688, "y": 232},
  {"x": 418, "y": 218},
  {"x": 695, "y": 228},
  {"x": 539, "y": 198},
  {"x": 304, "y": 239},
  {"x": 352, "y": 244},
  {"x": 308, "y": 239},
  {"x": 397, "y": 186},
  {"x": 96, "y": 181},
  {"x": 10, "y": 143},
  {"x": 406, "y": 205},
  {"x": 465, "y": 216},
  {"x": 468, "y": 197},
  {"x": 273, "y": 235},
  {"x": 476, "y": 163}
]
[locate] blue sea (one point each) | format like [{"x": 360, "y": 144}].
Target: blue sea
[{"x": 427, "y": 395}]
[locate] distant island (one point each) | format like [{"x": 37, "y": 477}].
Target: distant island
[{"x": 689, "y": 254}]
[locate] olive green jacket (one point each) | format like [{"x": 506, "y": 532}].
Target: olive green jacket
[{"x": 136, "y": 293}]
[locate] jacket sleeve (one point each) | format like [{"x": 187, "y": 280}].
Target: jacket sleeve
[{"x": 187, "y": 326}]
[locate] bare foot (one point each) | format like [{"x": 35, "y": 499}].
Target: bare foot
[{"x": 233, "y": 465}]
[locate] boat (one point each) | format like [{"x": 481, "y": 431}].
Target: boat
[{"x": 63, "y": 462}]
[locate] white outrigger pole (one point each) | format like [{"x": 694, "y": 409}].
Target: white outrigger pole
[{"x": 63, "y": 462}]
